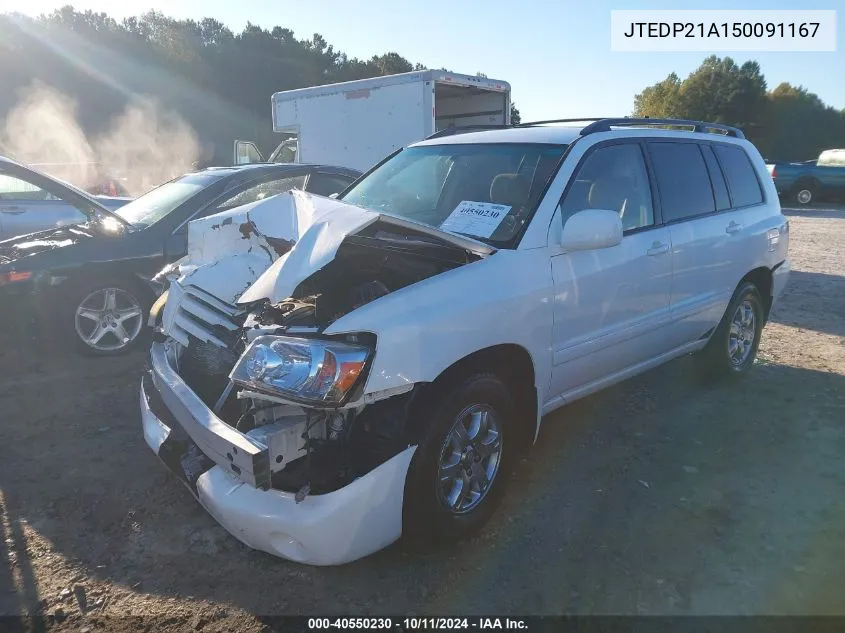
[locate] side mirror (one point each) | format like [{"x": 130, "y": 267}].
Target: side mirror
[{"x": 591, "y": 229}]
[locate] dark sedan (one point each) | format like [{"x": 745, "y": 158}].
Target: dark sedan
[{"x": 93, "y": 281}]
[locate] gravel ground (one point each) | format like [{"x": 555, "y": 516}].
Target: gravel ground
[{"x": 658, "y": 496}]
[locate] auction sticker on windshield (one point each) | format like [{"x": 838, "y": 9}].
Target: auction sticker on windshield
[{"x": 479, "y": 219}]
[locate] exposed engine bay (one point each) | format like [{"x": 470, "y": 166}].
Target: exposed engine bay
[
  {"x": 367, "y": 266},
  {"x": 317, "y": 449}
]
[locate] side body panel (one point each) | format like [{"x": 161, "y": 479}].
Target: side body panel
[
  {"x": 425, "y": 328},
  {"x": 765, "y": 230},
  {"x": 611, "y": 309},
  {"x": 713, "y": 253},
  {"x": 705, "y": 263}
]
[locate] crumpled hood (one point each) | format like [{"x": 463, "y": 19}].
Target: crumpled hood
[
  {"x": 229, "y": 251},
  {"x": 265, "y": 249}
]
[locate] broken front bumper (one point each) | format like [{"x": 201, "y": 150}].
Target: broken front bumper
[{"x": 206, "y": 453}]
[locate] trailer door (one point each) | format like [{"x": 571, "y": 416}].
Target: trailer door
[{"x": 458, "y": 106}]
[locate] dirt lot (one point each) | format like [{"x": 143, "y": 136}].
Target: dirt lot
[{"x": 658, "y": 496}]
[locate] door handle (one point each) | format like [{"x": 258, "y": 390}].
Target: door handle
[
  {"x": 13, "y": 210},
  {"x": 658, "y": 248},
  {"x": 733, "y": 227}
]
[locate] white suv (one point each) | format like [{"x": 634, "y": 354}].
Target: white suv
[{"x": 395, "y": 349}]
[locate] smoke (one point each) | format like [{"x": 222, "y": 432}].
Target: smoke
[
  {"x": 142, "y": 147},
  {"x": 42, "y": 129},
  {"x": 148, "y": 145}
]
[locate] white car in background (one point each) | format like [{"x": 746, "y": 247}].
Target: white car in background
[
  {"x": 31, "y": 201},
  {"x": 379, "y": 375}
]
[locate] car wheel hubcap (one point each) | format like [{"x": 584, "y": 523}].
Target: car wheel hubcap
[
  {"x": 804, "y": 196},
  {"x": 742, "y": 332},
  {"x": 108, "y": 319},
  {"x": 469, "y": 459}
]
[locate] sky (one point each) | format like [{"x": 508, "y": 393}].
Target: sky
[{"x": 555, "y": 53}]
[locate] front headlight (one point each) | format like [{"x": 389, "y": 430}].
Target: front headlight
[{"x": 301, "y": 369}]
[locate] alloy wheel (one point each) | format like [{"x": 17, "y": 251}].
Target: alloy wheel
[
  {"x": 109, "y": 319},
  {"x": 742, "y": 332},
  {"x": 469, "y": 459}
]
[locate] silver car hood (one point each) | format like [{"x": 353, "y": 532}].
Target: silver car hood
[{"x": 264, "y": 250}]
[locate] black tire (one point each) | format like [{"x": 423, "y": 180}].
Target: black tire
[
  {"x": 715, "y": 361},
  {"x": 805, "y": 192},
  {"x": 126, "y": 290},
  {"x": 426, "y": 517}
]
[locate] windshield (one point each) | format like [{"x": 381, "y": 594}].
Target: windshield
[
  {"x": 156, "y": 204},
  {"x": 484, "y": 191}
]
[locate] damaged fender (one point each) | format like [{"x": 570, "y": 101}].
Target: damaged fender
[{"x": 423, "y": 329}]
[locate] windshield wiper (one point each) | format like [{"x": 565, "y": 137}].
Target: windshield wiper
[{"x": 401, "y": 237}]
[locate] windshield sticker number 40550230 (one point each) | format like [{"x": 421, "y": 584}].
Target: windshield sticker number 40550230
[{"x": 479, "y": 219}]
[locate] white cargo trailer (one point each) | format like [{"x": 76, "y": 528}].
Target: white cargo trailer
[{"x": 358, "y": 123}]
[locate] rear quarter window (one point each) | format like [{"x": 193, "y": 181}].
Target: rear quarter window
[
  {"x": 717, "y": 179},
  {"x": 682, "y": 180},
  {"x": 739, "y": 172}
]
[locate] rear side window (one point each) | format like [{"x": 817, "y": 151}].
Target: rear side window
[
  {"x": 682, "y": 179},
  {"x": 717, "y": 179},
  {"x": 742, "y": 180}
]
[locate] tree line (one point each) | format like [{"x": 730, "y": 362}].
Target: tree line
[
  {"x": 218, "y": 80},
  {"x": 788, "y": 123}
]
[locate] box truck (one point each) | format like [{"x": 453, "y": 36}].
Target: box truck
[{"x": 358, "y": 123}]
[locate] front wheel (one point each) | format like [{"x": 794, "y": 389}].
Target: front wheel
[
  {"x": 458, "y": 473},
  {"x": 106, "y": 319},
  {"x": 731, "y": 350}
]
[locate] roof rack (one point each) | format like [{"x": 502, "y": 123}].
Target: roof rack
[
  {"x": 598, "y": 124},
  {"x": 463, "y": 129},
  {"x": 604, "y": 125},
  {"x": 546, "y": 122}
]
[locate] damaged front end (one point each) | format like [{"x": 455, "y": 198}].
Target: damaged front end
[{"x": 247, "y": 388}]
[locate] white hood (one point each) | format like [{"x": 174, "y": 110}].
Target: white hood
[
  {"x": 264, "y": 250},
  {"x": 228, "y": 251},
  {"x": 315, "y": 248}
]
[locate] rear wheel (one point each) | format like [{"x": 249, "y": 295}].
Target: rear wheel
[
  {"x": 731, "y": 351},
  {"x": 458, "y": 473}
]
